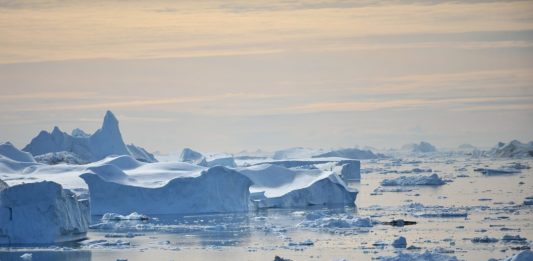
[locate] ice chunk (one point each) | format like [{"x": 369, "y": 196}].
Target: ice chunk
[
  {"x": 351, "y": 171},
  {"x": 140, "y": 153},
  {"x": 336, "y": 221},
  {"x": 525, "y": 255},
  {"x": 351, "y": 153},
  {"x": 11, "y": 152},
  {"x": 41, "y": 212},
  {"x": 399, "y": 242},
  {"x": 26, "y": 256},
  {"x": 484, "y": 239},
  {"x": 513, "y": 149},
  {"x": 215, "y": 190},
  {"x": 193, "y": 157},
  {"x": 433, "y": 180},
  {"x": 118, "y": 217},
  {"x": 53, "y": 158},
  {"x": 221, "y": 160},
  {"x": 422, "y": 147},
  {"x": 433, "y": 256}
]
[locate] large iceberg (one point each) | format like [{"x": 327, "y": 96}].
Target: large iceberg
[
  {"x": 11, "y": 152},
  {"x": 41, "y": 213},
  {"x": 513, "y": 149},
  {"x": 351, "y": 153},
  {"x": 214, "y": 190},
  {"x": 193, "y": 157},
  {"x": 422, "y": 147},
  {"x": 279, "y": 187},
  {"x": 104, "y": 142}
]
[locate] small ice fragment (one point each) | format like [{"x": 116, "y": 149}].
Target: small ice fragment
[{"x": 399, "y": 242}]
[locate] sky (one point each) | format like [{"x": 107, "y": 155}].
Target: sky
[{"x": 228, "y": 76}]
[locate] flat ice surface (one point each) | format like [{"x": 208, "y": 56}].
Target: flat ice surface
[{"x": 448, "y": 218}]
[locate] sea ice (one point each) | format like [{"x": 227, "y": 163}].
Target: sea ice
[
  {"x": 433, "y": 180},
  {"x": 426, "y": 256}
]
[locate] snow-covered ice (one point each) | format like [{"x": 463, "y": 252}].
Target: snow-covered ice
[{"x": 216, "y": 189}]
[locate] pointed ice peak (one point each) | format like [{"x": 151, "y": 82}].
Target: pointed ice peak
[
  {"x": 56, "y": 131},
  {"x": 110, "y": 121}
]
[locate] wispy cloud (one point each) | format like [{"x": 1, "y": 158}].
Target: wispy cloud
[{"x": 116, "y": 30}]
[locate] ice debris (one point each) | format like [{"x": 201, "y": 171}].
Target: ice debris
[{"x": 433, "y": 180}]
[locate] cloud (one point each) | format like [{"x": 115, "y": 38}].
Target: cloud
[{"x": 116, "y": 30}]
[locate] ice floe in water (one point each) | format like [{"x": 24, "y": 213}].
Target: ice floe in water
[
  {"x": 432, "y": 180},
  {"x": 426, "y": 256}
]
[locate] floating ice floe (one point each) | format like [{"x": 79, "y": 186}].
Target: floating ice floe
[
  {"x": 433, "y": 180},
  {"x": 433, "y": 256},
  {"x": 41, "y": 213},
  {"x": 399, "y": 242},
  {"x": 495, "y": 172},
  {"x": 118, "y": 217},
  {"x": 484, "y": 239},
  {"x": 528, "y": 201},
  {"x": 321, "y": 220}
]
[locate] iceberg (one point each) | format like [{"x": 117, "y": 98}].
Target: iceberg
[
  {"x": 214, "y": 190},
  {"x": 420, "y": 257},
  {"x": 422, "y": 147},
  {"x": 193, "y": 157},
  {"x": 351, "y": 153},
  {"x": 513, "y": 149},
  {"x": 351, "y": 171},
  {"x": 41, "y": 213},
  {"x": 433, "y": 180},
  {"x": 11, "y": 152},
  {"x": 295, "y": 153},
  {"x": 104, "y": 142},
  {"x": 279, "y": 187}
]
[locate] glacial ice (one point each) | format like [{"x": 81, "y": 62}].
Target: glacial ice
[
  {"x": 426, "y": 256},
  {"x": 433, "y": 180},
  {"x": 11, "y": 152},
  {"x": 193, "y": 157},
  {"x": 215, "y": 190},
  {"x": 422, "y": 147},
  {"x": 513, "y": 149},
  {"x": 104, "y": 142},
  {"x": 351, "y": 153},
  {"x": 41, "y": 213},
  {"x": 280, "y": 187},
  {"x": 351, "y": 171}
]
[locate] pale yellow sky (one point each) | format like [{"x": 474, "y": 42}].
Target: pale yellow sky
[{"x": 233, "y": 75}]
